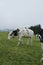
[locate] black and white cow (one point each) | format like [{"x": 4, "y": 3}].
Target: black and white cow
[
  {"x": 21, "y": 32},
  {"x": 40, "y": 35}
]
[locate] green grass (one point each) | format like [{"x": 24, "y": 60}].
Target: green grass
[{"x": 11, "y": 54}]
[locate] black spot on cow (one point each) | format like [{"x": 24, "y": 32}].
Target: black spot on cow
[{"x": 15, "y": 32}]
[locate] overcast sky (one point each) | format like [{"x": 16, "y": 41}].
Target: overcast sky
[{"x": 20, "y": 13}]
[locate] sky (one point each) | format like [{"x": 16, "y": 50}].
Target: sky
[{"x": 20, "y": 13}]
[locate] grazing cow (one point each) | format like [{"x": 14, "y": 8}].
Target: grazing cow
[{"x": 21, "y": 33}]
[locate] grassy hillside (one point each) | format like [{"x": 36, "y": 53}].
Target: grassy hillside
[{"x": 11, "y": 54}]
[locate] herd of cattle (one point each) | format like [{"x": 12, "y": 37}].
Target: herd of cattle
[{"x": 27, "y": 32}]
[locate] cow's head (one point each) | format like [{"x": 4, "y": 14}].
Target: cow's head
[
  {"x": 10, "y": 35},
  {"x": 13, "y": 33}
]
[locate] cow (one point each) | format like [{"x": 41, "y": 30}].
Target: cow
[
  {"x": 40, "y": 36},
  {"x": 21, "y": 32}
]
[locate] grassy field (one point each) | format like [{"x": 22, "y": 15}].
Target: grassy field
[{"x": 11, "y": 54}]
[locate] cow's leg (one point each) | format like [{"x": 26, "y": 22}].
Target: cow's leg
[
  {"x": 29, "y": 41},
  {"x": 42, "y": 51},
  {"x": 20, "y": 40}
]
